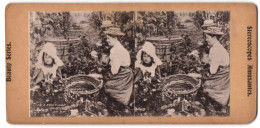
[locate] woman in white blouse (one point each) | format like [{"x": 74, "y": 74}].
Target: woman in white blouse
[
  {"x": 217, "y": 85},
  {"x": 119, "y": 85}
]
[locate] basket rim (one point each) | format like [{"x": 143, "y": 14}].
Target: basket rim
[
  {"x": 194, "y": 89},
  {"x": 97, "y": 87}
]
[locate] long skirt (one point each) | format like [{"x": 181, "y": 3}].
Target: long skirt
[
  {"x": 120, "y": 86},
  {"x": 218, "y": 87}
]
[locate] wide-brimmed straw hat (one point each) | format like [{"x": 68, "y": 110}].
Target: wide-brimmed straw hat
[
  {"x": 106, "y": 23},
  {"x": 213, "y": 31},
  {"x": 209, "y": 23},
  {"x": 114, "y": 31}
]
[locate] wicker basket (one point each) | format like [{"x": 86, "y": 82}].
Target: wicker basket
[
  {"x": 181, "y": 84},
  {"x": 82, "y": 85}
]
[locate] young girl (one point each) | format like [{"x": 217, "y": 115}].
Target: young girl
[
  {"x": 147, "y": 63},
  {"x": 47, "y": 66},
  {"x": 147, "y": 75}
]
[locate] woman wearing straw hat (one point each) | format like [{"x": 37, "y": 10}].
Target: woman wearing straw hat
[
  {"x": 119, "y": 84},
  {"x": 217, "y": 85}
]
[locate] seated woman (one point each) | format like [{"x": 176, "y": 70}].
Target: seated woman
[
  {"x": 47, "y": 67},
  {"x": 147, "y": 64},
  {"x": 216, "y": 85},
  {"x": 118, "y": 82}
]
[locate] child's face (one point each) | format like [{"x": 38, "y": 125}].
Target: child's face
[
  {"x": 48, "y": 59},
  {"x": 147, "y": 58}
]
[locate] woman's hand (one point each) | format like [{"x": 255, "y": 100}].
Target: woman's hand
[
  {"x": 205, "y": 58},
  {"x": 48, "y": 79},
  {"x": 148, "y": 80}
]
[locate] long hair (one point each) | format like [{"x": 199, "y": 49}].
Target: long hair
[
  {"x": 53, "y": 61},
  {"x": 145, "y": 64}
]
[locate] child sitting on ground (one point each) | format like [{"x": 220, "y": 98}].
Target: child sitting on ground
[{"x": 47, "y": 68}]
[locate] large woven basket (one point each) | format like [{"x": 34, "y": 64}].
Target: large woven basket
[
  {"x": 82, "y": 85},
  {"x": 181, "y": 84}
]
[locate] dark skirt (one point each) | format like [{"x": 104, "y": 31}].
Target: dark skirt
[
  {"x": 217, "y": 86},
  {"x": 120, "y": 86}
]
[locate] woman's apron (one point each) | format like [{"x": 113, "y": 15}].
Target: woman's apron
[
  {"x": 217, "y": 86},
  {"x": 120, "y": 86}
]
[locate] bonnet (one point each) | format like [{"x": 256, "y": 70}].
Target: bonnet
[
  {"x": 50, "y": 49},
  {"x": 148, "y": 48}
]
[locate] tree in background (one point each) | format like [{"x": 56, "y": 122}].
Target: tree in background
[
  {"x": 170, "y": 21},
  {"x": 158, "y": 23},
  {"x": 223, "y": 18},
  {"x": 58, "y": 23},
  {"x": 96, "y": 20},
  {"x": 198, "y": 18}
]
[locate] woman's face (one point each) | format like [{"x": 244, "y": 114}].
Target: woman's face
[
  {"x": 48, "y": 59},
  {"x": 210, "y": 39},
  {"x": 111, "y": 40},
  {"x": 147, "y": 58}
]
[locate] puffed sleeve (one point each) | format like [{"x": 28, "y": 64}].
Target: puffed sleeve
[
  {"x": 214, "y": 61},
  {"x": 114, "y": 62}
]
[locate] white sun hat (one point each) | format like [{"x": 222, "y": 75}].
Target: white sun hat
[
  {"x": 51, "y": 50},
  {"x": 148, "y": 48}
]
